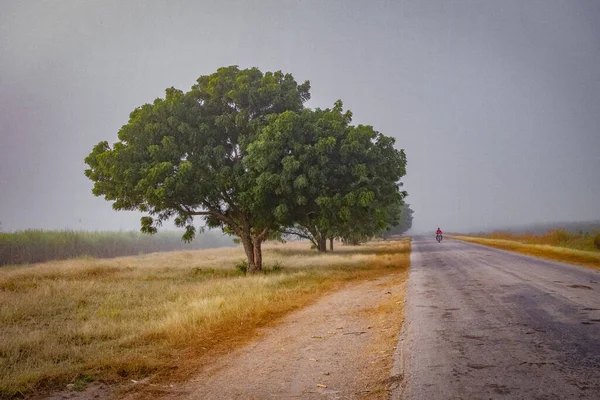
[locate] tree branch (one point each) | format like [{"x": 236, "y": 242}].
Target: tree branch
[
  {"x": 200, "y": 213},
  {"x": 300, "y": 234},
  {"x": 229, "y": 221},
  {"x": 261, "y": 236}
]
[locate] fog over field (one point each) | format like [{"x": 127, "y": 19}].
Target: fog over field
[{"x": 497, "y": 104}]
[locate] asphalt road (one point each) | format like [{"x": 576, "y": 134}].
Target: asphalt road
[{"x": 483, "y": 323}]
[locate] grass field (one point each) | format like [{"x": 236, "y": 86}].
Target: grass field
[
  {"x": 34, "y": 246},
  {"x": 82, "y": 320},
  {"x": 555, "y": 245},
  {"x": 553, "y": 237}
]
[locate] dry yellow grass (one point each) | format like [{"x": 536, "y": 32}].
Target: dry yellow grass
[
  {"x": 580, "y": 257},
  {"x": 79, "y": 320},
  {"x": 389, "y": 316},
  {"x": 553, "y": 237}
]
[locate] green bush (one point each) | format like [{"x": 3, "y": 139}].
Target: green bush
[
  {"x": 242, "y": 267},
  {"x": 277, "y": 266}
]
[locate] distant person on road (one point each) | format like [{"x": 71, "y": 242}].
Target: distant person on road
[{"x": 438, "y": 235}]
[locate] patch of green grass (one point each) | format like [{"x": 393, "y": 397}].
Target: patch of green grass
[{"x": 81, "y": 382}]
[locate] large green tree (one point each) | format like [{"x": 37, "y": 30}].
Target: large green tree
[
  {"x": 184, "y": 156},
  {"x": 325, "y": 177}
]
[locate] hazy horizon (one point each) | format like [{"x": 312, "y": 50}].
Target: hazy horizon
[{"x": 496, "y": 104}]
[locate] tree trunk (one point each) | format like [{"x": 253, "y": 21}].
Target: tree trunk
[
  {"x": 249, "y": 249},
  {"x": 330, "y": 244},
  {"x": 323, "y": 243},
  {"x": 257, "y": 256}
]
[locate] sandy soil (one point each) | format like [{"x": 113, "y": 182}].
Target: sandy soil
[{"x": 340, "y": 347}]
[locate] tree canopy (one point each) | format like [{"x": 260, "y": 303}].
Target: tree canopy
[
  {"x": 240, "y": 151},
  {"x": 327, "y": 178}
]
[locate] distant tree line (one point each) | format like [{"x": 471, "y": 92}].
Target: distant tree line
[
  {"x": 404, "y": 222},
  {"x": 241, "y": 151}
]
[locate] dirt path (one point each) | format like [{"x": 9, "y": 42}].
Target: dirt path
[{"x": 340, "y": 347}]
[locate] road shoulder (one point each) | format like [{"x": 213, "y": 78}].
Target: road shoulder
[{"x": 340, "y": 346}]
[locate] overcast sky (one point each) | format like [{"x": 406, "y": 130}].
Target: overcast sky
[{"x": 497, "y": 103}]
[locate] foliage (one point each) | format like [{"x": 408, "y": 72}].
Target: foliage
[
  {"x": 277, "y": 267},
  {"x": 326, "y": 178},
  {"x": 240, "y": 151},
  {"x": 597, "y": 241},
  {"x": 242, "y": 267},
  {"x": 183, "y": 156}
]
